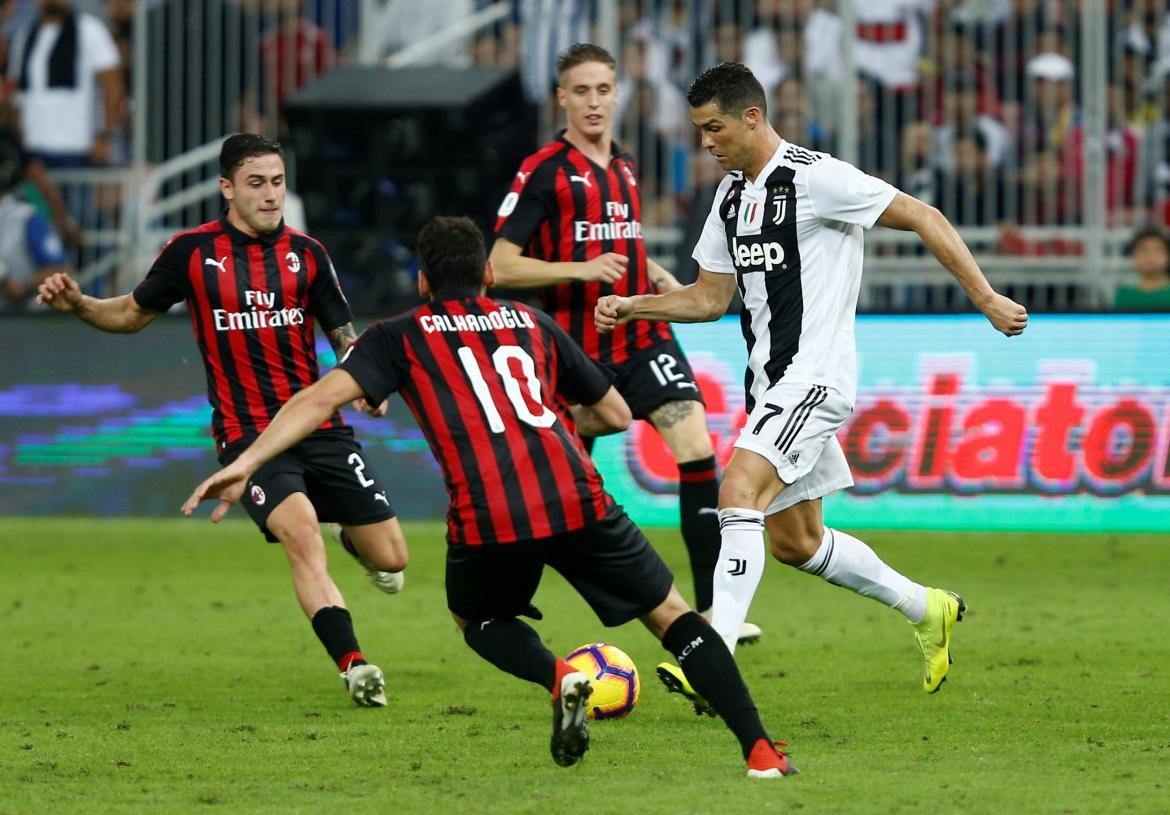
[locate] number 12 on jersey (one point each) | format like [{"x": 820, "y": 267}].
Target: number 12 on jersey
[{"x": 512, "y": 387}]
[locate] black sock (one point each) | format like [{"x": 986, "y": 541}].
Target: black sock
[
  {"x": 712, "y": 672},
  {"x": 698, "y": 489},
  {"x": 334, "y": 627},
  {"x": 515, "y": 647}
]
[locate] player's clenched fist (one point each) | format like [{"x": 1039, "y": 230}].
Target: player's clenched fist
[
  {"x": 60, "y": 291},
  {"x": 1008, "y": 316},
  {"x": 607, "y": 268},
  {"x": 612, "y": 311}
]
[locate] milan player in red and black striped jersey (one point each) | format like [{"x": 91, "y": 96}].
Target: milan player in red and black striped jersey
[
  {"x": 491, "y": 383},
  {"x": 254, "y": 289},
  {"x": 572, "y": 225}
]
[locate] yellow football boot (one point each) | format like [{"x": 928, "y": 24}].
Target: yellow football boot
[
  {"x": 676, "y": 682},
  {"x": 943, "y": 609}
]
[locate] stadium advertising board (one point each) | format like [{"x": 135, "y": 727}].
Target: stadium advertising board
[
  {"x": 956, "y": 427},
  {"x": 1066, "y": 427}
]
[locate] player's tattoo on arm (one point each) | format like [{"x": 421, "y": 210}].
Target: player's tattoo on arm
[
  {"x": 672, "y": 413},
  {"x": 662, "y": 280},
  {"x": 342, "y": 337}
]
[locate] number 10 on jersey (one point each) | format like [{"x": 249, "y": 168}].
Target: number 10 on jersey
[{"x": 523, "y": 408}]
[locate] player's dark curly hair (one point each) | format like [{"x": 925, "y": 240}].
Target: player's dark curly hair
[
  {"x": 731, "y": 86},
  {"x": 581, "y": 52},
  {"x": 451, "y": 252},
  {"x": 242, "y": 146}
]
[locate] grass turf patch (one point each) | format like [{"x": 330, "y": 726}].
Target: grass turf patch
[{"x": 164, "y": 666}]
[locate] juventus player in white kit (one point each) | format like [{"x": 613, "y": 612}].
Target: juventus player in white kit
[{"x": 786, "y": 227}]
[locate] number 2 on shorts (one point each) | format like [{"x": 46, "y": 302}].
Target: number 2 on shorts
[{"x": 359, "y": 467}]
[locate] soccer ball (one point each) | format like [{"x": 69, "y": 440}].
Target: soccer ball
[{"x": 614, "y": 677}]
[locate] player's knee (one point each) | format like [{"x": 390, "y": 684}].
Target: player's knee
[
  {"x": 737, "y": 490},
  {"x": 390, "y": 558},
  {"x": 302, "y": 541}
]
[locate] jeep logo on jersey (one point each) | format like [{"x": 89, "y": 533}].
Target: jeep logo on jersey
[
  {"x": 750, "y": 256},
  {"x": 294, "y": 262}
]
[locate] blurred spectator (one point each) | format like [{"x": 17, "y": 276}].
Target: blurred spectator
[
  {"x": 1155, "y": 152},
  {"x": 792, "y": 118},
  {"x": 548, "y": 27},
  {"x": 30, "y": 250},
  {"x": 1011, "y": 41},
  {"x": 293, "y": 52},
  {"x": 1123, "y": 150},
  {"x": 1150, "y": 252},
  {"x": 971, "y": 191},
  {"x": 728, "y": 41},
  {"x": 916, "y": 172},
  {"x": 60, "y": 65},
  {"x": 653, "y": 124},
  {"x": 401, "y": 23},
  {"x": 961, "y": 118},
  {"x": 678, "y": 35},
  {"x": 888, "y": 43},
  {"x": 1051, "y": 112},
  {"x": 653, "y": 147},
  {"x": 640, "y": 64},
  {"x": 771, "y": 48},
  {"x": 1047, "y": 194},
  {"x": 821, "y": 67},
  {"x": 1147, "y": 31}
]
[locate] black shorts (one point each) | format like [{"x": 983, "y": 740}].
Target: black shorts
[
  {"x": 329, "y": 468},
  {"x": 654, "y": 376},
  {"x": 609, "y": 563}
]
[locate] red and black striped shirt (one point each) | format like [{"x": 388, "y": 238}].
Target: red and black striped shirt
[
  {"x": 487, "y": 381},
  {"x": 253, "y": 302},
  {"x": 565, "y": 208}
]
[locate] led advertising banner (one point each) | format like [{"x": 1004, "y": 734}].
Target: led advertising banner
[{"x": 1066, "y": 427}]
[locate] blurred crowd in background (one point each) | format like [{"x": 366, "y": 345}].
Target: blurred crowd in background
[{"x": 975, "y": 106}]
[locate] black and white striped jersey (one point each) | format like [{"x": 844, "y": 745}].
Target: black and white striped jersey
[{"x": 793, "y": 238}]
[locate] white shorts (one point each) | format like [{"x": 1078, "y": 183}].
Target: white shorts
[{"x": 795, "y": 427}]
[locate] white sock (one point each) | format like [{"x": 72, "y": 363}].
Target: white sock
[
  {"x": 738, "y": 572},
  {"x": 845, "y": 561}
]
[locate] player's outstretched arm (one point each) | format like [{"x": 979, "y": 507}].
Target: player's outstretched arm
[
  {"x": 908, "y": 213},
  {"x": 514, "y": 271},
  {"x": 610, "y": 414},
  {"x": 295, "y": 420},
  {"x": 702, "y": 301},
  {"x": 117, "y": 315}
]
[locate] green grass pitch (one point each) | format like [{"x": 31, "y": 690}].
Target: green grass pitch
[{"x": 164, "y": 666}]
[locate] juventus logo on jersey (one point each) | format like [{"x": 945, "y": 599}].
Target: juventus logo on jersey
[{"x": 780, "y": 201}]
